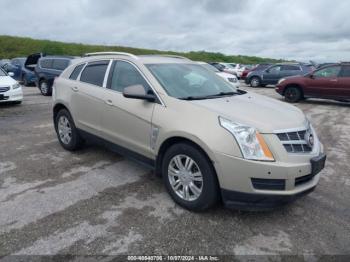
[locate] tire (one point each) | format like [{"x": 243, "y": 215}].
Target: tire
[
  {"x": 205, "y": 182},
  {"x": 66, "y": 131},
  {"x": 292, "y": 94},
  {"x": 45, "y": 88},
  {"x": 255, "y": 82},
  {"x": 17, "y": 102}
]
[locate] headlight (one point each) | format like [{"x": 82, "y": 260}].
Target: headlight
[
  {"x": 281, "y": 80},
  {"x": 251, "y": 142},
  {"x": 15, "y": 86},
  {"x": 232, "y": 79}
]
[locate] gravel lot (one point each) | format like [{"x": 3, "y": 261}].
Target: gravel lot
[{"x": 96, "y": 202}]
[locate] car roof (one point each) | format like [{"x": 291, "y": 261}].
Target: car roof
[{"x": 144, "y": 59}]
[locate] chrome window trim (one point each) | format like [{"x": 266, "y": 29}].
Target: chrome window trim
[{"x": 104, "y": 85}]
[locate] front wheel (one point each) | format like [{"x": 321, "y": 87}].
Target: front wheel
[
  {"x": 190, "y": 177},
  {"x": 292, "y": 94},
  {"x": 255, "y": 82}
]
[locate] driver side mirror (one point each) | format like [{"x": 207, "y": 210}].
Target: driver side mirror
[
  {"x": 312, "y": 76},
  {"x": 138, "y": 92},
  {"x": 267, "y": 71},
  {"x": 11, "y": 74}
]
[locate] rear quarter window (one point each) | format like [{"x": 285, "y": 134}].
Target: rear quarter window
[{"x": 74, "y": 75}]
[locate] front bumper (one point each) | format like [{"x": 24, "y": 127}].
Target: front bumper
[
  {"x": 254, "y": 185},
  {"x": 258, "y": 202},
  {"x": 279, "y": 89},
  {"x": 13, "y": 95}
]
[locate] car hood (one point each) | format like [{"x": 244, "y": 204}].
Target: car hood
[
  {"x": 266, "y": 114},
  {"x": 7, "y": 81}
]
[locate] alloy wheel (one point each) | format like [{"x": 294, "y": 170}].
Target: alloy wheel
[
  {"x": 64, "y": 130},
  {"x": 185, "y": 177}
]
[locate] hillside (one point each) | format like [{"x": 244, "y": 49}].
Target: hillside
[{"x": 11, "y": 47}]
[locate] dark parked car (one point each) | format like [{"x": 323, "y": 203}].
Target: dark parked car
[
  {"x": 22, "y": 74},
  {"x": 330, "y": 82},
  {"x": 253, "y": 68},
  {"x": 272, "y": 74},
  {"x": 46, "y": 68}
]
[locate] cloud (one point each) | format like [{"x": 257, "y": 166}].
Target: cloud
[{"x": 291, "y": 29}]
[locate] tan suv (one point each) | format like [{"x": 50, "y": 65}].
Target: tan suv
[{"x": 209, "y": 141}]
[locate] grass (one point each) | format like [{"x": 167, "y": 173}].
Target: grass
[{"x": 12, "y": 46}]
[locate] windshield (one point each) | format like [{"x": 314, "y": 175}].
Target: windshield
[
  {"x": 2, "y": 72},
  {"x": 190, "y": 81},
  {"x": 210, "y": 67}
]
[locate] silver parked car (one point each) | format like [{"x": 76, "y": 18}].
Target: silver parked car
[{"x": 208, "y": 140}]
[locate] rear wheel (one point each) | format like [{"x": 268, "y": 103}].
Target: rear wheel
[
  {"x": 190, "y": 177},
  {"x": 292, "y": 94},
  {"x": 67, "y": 133},
  {"x": 45, "y": 88},
  {"x": 255, "y": 82},
  {"x": 25, "y": 81}
]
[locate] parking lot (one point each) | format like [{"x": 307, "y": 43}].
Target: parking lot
[{"x": 96, "y": 202}]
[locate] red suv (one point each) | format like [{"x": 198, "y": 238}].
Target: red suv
[{"x": 330, "y": 82}]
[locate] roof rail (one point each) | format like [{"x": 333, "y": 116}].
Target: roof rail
[
  {"x": 165, "y": 55},
  {"x": 110, "y": 53},
  {"x": 176, "y": 56}
]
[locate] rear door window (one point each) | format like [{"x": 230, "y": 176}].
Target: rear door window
[
  {"x": 60, "y": 64},
  {"x": 290, "y": 68},
  {"x": 94, "y": 73},
  {"x": 345, "y": 71},
  {"x": 46, "y": 63},
  {"x": 74, "y": 75}
]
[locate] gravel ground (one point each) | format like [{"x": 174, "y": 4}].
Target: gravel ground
[{"x": 95, "y": 202}]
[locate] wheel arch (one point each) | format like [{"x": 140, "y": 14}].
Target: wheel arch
[
  {"x": 58, "y": 107},
  {"x": 170, "y": 141}
]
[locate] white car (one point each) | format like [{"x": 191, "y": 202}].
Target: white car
[
  {"x": 10, "y": 89},
  {"x": 236, "y": 69},
  {"x": 232, "y": 79}
]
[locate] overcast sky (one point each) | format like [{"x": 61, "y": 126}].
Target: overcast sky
[{"x": 290, "y": 29}]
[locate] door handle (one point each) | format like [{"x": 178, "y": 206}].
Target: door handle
[
  {"x": 334, "y": 80},
  {"x": 109, "y": 102},
  {"x": 75, "y": 89}
]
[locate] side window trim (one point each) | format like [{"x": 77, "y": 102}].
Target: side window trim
[
  {"x": 106, "y": 79},
  {"x": 78, "y": 78},
  {"x": 109, "y": 78}
]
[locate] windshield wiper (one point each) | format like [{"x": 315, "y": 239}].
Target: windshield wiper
[{"x": 221, "y": 94}]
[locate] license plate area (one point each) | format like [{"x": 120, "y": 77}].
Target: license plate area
[{"x": 317, "y": 164}]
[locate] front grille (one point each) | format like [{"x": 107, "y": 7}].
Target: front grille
[
  {"x": 302, "y": 180},
  {"x": 4, "y": 89},
  {"x": 295, "y": 142},
  {"x": 269, "y": 184}
]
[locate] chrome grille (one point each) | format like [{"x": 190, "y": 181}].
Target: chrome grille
[
  {"x": 4, "y": 89},
  {"x": 295, "y": 142}
]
